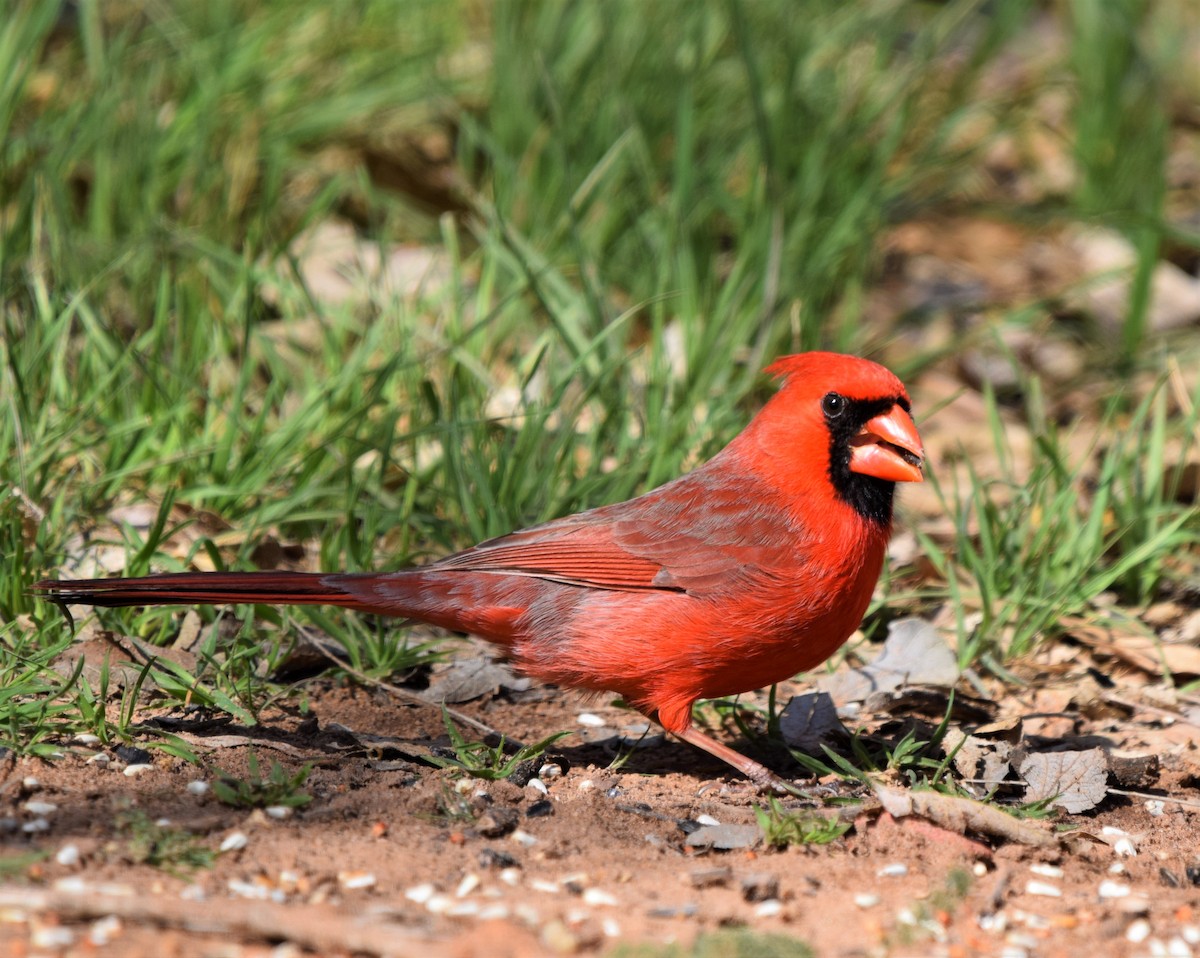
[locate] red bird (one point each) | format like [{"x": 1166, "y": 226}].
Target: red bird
[{"x": 756, "y": 566}]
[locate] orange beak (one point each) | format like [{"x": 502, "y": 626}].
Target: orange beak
[{"x": 889, "y": 447}]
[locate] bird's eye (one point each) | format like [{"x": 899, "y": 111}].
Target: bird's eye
[{"x": 833, "y": 405}]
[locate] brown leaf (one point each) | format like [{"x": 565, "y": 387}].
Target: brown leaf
[{"x": 1076, "y": 781}]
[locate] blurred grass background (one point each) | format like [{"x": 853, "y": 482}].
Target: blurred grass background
[{"x": 583, "y": 229}]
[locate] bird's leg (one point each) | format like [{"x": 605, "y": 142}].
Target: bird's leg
[{"x": 758, "y": 773}]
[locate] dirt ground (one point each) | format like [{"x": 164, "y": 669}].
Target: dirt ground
[{"x": 394, "y": 857}]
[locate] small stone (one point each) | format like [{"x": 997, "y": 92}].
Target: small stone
[
  {"x": 708, "y": 877},
  {"x": 40, "y": 808},
  {"x": 896, "y": 870},
  {"x": 596, "y": 898},
  {"x": 539, "y": 809},
  {"x": 1155, "y": 807},
  {"x": 198, "y": 787},
  {"x": 558, "y": 938},
  {"x": 133, "y": 771},
  {"x": 866, "y": 900},
  {"x": 234, "y": 842},
  {"x": 497, "y": 822},
  {"x": 68, "y": 856},
  {"x": 759, "y": 886},
  {"x": 587, "y": 785},
  {"x": 132, "y": 755},
  {"x": 1138, "y": 931}
]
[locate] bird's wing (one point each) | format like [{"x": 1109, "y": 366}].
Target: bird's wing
[{"x": 697, "y": 534}]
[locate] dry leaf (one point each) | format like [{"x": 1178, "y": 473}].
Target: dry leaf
[
  {"x": 913, "y": 654},
  {"x": 1076, "y": 781},
  {"x": 810, "y": 721}
]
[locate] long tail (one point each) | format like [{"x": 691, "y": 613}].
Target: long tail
[{"x": 206, "y": 588}]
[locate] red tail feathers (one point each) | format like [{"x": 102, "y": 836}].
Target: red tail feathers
[{"x": 203, "y": 588}]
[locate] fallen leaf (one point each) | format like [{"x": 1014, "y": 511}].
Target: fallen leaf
[
  {"x": 810, "y": 721},
  {"x": 913, "y": 654},
  {"x": 1076, "y": 781}
]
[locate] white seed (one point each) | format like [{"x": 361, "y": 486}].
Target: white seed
[
  {"x": 1046, "y": 871},
  {"x": 279, "y": 812},
  {"x": 133, "y": 771},
  {"x": 52, "y": 937},
  {"x": 40, "y": 808},
  {"x": 1013, "y": 951},
  {"x": 866, "y": 900},
  {"x": 1138, "y": 931},
  {"x": 537, "y": 785},
  {"x": 1116, "y": 868},
  {"x": 1043, "y": 888},
  {"x": 587, "y": 785},
  {"x": 897, "y": 870},
  {"x": 163, "y": 822},
  {"x": 193, "y": 893},
  {"x": 496, "y": 912},
  {"x": 1125, "y": 847},
  {"x": 522, "y": 837},
  {"x": 72, "y": 885},
  {"x": 463, "y": 909},
  {"x": 1191, "y": 934},
  {"x": 67, "y": 856},
  {"x": 469, "y": 883},
  {"x": 100, "y": 758},
  {"x": 546, "y": 887},
  {"x": 35, "y": 826},
  {"x": 590, "y": 720},
  {"x": 550, "y": 770},
  {"x": 198, "y": 787},
  {"x": 439, "y": 904},
  {"x": 1114, "y": 889},
  {"x": 769, "y": 908},
  {"x": 706, "y": 820},
  {"x": 1178, "y": 948},
  {"x": 420, "y": 893},
  {"x": 510, "y": 876},
  {"x": 234, "y": 842},
  {"x": 611, "y": 928},
  {"x": 30, "y": 784},
  {"x": 87, "y": 738},
  {"x": 595, "y": 897},
  {"x": 979, "y": 869},
  {"x": 354, "y": 880}
]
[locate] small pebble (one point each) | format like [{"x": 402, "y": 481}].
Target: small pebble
[
  {"x": 587, "y": 785},
  {"x": 897, "y": 870},
  {"x": 979, "y": 869},
  {"x": 1114, "y": 889},
  {"x": 769, "y": 908},
  {"x": 1046, "y": 871},
  {"x": 1155, "y": 807},
  {"x": 40, "y": 808},
  {"x": 35, "y": 826},
  {"x": 133, "y": 771},
  {"x": 420, "y": 893},
  {"x": 279, "y": 812},
  {"x": 590, "y": 720},
  {"x": 596, "y": 898},
  {"x": 1042, "y": 888},
  {"x": 355, "y": 880},
  {"x": 866, "y": 900},
  {"x": 198, "y": 787},
  {"x": 68, "y": 856},
  {"x": 234, "y": 842},
  {"x": 1138, "y": 931}
]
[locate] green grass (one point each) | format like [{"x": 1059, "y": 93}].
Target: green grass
[{"x": 659, "y": 198}]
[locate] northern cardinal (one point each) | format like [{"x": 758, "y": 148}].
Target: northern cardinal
[{"x": 756, "y": 566}]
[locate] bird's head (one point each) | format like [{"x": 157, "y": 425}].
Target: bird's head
[{"x": 844, "y": 421}]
